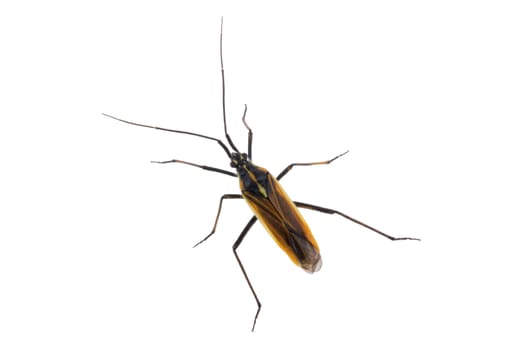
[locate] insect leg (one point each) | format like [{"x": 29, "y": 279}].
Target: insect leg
[
  {"x": 331, "y": 211},
  {"x": 289, "y": 167},
  {"x": 250, "y": 133},
  {"x": 225, "y": 196},
  {"x": 204, "y": 167},
  {"x": 235, "y": 246}
]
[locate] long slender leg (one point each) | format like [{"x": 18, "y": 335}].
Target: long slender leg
[
  {"x": 234, "y": 247},
  {"x": 203, "y": 167},
  {"x": 331, "y": 211},
  {"x": 225, "y": 196},
  {"x": 289, "y": 167}
]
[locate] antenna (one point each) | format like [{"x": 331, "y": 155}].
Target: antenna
[{"x": 230, "y": 142}]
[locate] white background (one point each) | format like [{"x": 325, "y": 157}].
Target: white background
[{"x": 95, "y": 241}]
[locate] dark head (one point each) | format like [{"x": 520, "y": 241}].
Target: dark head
[{"x": 238, "y": 160}]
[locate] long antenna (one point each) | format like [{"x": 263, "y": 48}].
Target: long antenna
[
  {"x": 176, "y": 131},
  {"x": 224, "y": 99},
  {"x": 228, "y": 138}
]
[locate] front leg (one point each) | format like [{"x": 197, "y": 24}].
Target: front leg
[{"x": 203, "y": 167}]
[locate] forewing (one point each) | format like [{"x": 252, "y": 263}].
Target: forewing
[{"x": 286, "y": 225}]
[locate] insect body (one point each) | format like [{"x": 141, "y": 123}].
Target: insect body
[
  {"x": 266, "y": 198},
  {"x": 277, "y": 213}
]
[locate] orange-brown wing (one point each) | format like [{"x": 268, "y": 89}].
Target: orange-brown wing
[{"x": 283, "y": 221}]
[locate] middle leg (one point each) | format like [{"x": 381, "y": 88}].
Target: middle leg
[
  {"x": 289, "y": 167},
  {"x": 224, "y": 196}
]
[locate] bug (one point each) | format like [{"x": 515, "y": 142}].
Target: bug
[{"x": 265, "y": 196}]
